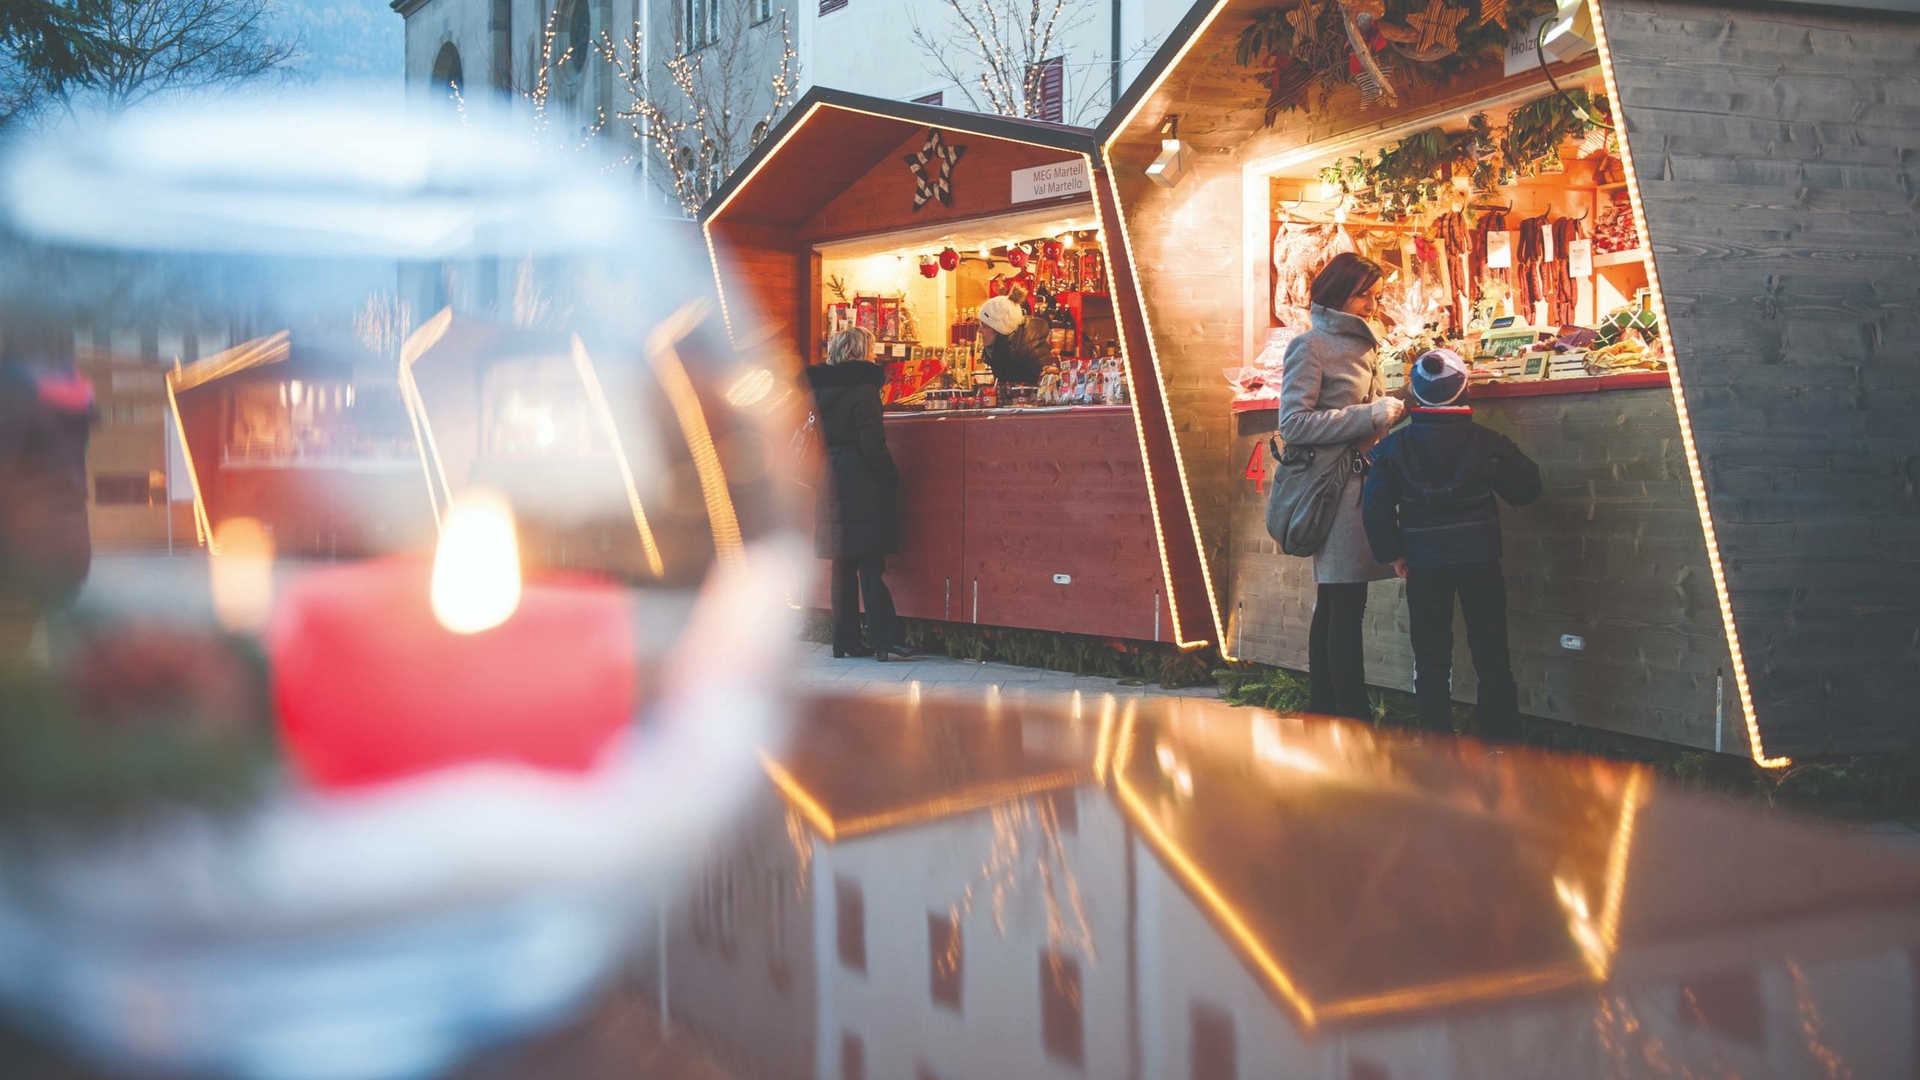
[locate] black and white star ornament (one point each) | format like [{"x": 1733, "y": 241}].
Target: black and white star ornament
[{"x": 932, "y": 170}]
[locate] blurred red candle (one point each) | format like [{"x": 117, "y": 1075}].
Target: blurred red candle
[{"x": 394, "y": 668}]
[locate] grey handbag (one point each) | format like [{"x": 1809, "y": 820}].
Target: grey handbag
[{"x": 1307, "y": 485}]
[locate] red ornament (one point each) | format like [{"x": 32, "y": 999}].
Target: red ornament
[
  {"x": 369, "y": 687},
  {"x": 929, "y": 266},
  {"x": 1052, "y": 250},
  {"x": 1017, "y": 256},
  {"x": 996, "y": 285},
  {"x": 949, "y": 259}
]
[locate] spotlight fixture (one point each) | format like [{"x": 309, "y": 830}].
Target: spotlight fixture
[{"x": 1171, "y": 165}]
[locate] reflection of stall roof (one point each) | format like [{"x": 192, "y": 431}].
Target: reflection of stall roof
[
  {"x": 856, "y": 767},
  {"x": 1352, "y": 895},
  {"x": 830, "y": 138},
  {"x": 1361, "y": 876}
]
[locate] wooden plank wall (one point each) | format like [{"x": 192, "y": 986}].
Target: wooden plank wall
[
  {"x": 766, "y": 272},
  {"x": 1776, "y": 152},
  {"x": 882, "y": 200},
  {"x": 1612, "y": 552}
]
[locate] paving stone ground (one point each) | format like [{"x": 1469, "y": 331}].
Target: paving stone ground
[{"x": 819, "y": 670}]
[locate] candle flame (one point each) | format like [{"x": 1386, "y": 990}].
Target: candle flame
[
  {"x": 241, "y": 570},
  {"x": 476, "y": 567}
]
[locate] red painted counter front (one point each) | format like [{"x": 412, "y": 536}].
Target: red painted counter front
[{"x": 1036, "y": 519}]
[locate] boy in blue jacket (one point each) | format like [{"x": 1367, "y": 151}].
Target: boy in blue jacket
[{"x": 1429, "y": 509}]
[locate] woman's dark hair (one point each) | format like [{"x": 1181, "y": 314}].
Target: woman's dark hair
[{"x": 1345, "y": 276}]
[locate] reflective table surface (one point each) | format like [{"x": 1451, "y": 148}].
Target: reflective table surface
[{"x": 939, "y": 887}]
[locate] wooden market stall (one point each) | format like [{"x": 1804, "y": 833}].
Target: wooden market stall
[
  {"x": 1034, "y": 511},
  {"x": 1700, "y": 352},
  {"x": 313, "y": 444}
]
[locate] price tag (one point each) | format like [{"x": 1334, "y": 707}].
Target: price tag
[
  {"x": 1580, "y": 258},
  {"x": 1499, "y": 250},
  {"x": 1546, "y": 243}
]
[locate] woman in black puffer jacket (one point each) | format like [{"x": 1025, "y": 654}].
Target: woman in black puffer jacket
[{"x": 854, "y": 524}]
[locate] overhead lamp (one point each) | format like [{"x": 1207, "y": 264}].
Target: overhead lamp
[
  {"x": 1567, "y": 33},
  {"x": 1066, "y": 239},
  {"x": 986, "y": 252},
  {"x": 1171, "y": 165}
]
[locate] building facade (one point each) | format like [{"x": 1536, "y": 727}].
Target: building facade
[{"x": 728, "y": 60}]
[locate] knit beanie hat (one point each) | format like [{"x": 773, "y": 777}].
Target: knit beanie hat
[
  {"x": 1002, "y": 315},
  {"x": 1438, "y": 378}
]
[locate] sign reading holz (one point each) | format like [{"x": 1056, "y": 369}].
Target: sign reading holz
[{"x": 1050, "y": 181}]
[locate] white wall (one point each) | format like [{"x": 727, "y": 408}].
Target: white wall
[
  {"x": 868, "y": 47},
  {"x": 905, "y": 875}
]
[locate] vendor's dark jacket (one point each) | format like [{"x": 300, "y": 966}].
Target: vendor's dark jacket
[
  {"x": 45, "y": 548},
  {"x": 1430, "y": 495},
  {"x": 1016, "y": 358},
  {"x": 855, "y": 517}
]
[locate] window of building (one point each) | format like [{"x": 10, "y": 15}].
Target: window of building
[
  {"x": 853, "y": 1057},
  {"x": 938, "y": 97},
  {"x": 946, "y": 959},
  {"x": 1362, "y": 1069},
  {"x": 579, "y": 35},
  {"x": 700, "y": 23},
  {"x": 1726, "y": 1003},
  {"x": 779, "y": 947},
  {"x": 448, "y": 78},
  {"x": 827, "y": 7},
  {"x": 1066, "y": 812},
  {"x": 762, "y": 10},
  {"x": 1062, "y": 1020},
  {"x": 123, "y": 489},
  {"x": 1211, "y": 1053},
  {"x": 1047, "y": 90},
  {"x": 850, "y": 923}
]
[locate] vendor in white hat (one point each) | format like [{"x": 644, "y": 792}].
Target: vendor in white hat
[{"x": 1012, "y": 344}]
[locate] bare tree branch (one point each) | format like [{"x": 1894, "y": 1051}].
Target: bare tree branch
[
  {"x": 154, "y": 47},
  {"x": 696, "y": 114},
  {"x": 994, "y": 52}
]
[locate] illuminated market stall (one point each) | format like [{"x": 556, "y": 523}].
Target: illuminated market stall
[
  {"x": 313, "y": 444},
  {"x": 1481, "y": 152},
  {"x": 1021, "y": 505}
]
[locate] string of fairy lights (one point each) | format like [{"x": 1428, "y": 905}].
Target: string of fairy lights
[{"x": 691, "y": 131}]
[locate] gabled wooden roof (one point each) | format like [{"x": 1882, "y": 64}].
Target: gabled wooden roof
[{"x": 831, "y": 138}]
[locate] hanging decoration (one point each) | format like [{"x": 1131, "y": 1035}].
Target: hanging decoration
[
  {"x": 1305, "y": 54},
  {"x": 929, "y": 266},
  {"x": 1362, "y": 68},
  {"x": 1435, "y": 30},
  {"x": 1429, "y": 169},
  {"x": 1016, "y": 256},
  {"x": 1536, "y": 129},
  {"x": 949, "y": 259},
  {"x": 932, "y": 170}
]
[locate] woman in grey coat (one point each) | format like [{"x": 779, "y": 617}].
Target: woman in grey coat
[{"x": 1330, "y": 395}]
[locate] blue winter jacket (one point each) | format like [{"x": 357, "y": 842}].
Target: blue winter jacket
[{"x": 1429, "y": 497}]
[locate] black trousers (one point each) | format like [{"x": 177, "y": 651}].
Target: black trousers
[
  {"x": 1483, "y": 604},
  {"x": 1336, "y": 663},
  {"x": 854, "y": 579}
]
